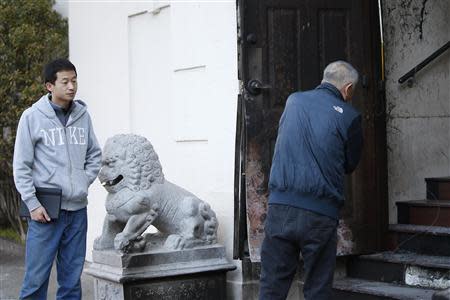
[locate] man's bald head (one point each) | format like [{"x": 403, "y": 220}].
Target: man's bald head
[
  {"x": 339, "y": 74},
  {"x": 343, "y": 76}
]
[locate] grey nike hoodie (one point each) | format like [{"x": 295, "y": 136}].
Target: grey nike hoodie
[{"x": 48, "y": 154}]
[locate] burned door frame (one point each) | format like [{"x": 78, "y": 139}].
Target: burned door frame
[{"x": 240, "y": 247}]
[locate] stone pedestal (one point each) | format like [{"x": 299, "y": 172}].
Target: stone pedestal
[{"x": 198, "y": 273}]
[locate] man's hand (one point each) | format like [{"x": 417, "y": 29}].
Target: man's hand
[{"x": 40, "y": 215}]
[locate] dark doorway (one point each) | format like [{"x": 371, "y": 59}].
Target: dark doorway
[{"x": 284, "y": 46}]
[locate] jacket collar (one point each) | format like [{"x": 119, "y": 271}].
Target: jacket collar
[
  {"x": 77, "y": 110},
  {"x": 332, "y": 89},
  {"x": 57, "y": 108}
]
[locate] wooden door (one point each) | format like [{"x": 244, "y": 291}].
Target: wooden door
[{"x": 284, "y": 47}]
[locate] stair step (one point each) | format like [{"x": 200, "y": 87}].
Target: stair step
[
  {"x": 424, "y": 212},
  {"x": 404, "y": 268},
  {"x": 359, "y": 289},
  {"x": 411, "y": 258},
  {"x": 427, "y": 203},
  {"x": 428, "y": 240},
  {"x": 428, "y": 230},
  {"x": 438, "y": 188}
]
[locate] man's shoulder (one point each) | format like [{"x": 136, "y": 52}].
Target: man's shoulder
[
  {"x": 80, "y": 102},
  {"x": 295, "y": 95},
  {"x": 33, "y": 109},
  {"x": 28, "y": 112},
  {"x": 82, "y": 105},
  {"x": 308, "y": 94},
  {"x": 352, "y": 112},
  {"x": 298, "y": 96},
  {"x": 307, "y": 97}
]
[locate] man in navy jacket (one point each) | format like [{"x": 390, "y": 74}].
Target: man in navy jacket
[{"x": 319, "y": 141}]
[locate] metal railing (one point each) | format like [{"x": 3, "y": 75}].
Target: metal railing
[{"x": 420, "y": 66}]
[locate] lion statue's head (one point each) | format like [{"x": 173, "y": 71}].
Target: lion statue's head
[{"x": 129, "y": 161}]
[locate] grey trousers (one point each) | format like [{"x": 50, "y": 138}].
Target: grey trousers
[{"x": 289, "y": 231}]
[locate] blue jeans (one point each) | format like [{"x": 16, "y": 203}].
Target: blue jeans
[
  {"x": 289, "y": 232},
  {"x": 65, "y": 239}
]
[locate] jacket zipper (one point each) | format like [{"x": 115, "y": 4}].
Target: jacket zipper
[
  {"x": 70, "y": 164},
  {"x": 68, "y": 157}
]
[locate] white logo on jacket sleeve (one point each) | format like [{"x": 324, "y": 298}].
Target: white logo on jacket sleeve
[
  {"x": 56, "y": 136},
  {"x": 338, "y": 109}
]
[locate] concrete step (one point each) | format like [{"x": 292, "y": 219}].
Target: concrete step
[
  {"x": 424, "y": 212},
  {"x": 403, "y": 268},
  {"x": 427, "y": 240},
  {"x": 438, "y": 188},
  {"x": 360, "y": 289}
]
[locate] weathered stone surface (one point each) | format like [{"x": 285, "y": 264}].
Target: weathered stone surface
[
  {"x": 203, "y": 286},
  {"x": 208, "y": 286},
  {"x": 107, "y": 290},
  {"x": 139, "y": 196},
  {"x": 353, "y": 288},
  {"x": 442, "y": 295},
  {"x": 418, "y": 118},
  {"x": 182, "y": 274}
]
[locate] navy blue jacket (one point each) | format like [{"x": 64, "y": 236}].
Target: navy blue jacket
[{"x": 319, "y": 141}]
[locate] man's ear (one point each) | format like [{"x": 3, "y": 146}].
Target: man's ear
[
  {"x": 348, "y": 90},
  {"x": 49, "y": 86}
]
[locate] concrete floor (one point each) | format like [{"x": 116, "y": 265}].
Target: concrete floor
[{"x": 12, "y": 271}]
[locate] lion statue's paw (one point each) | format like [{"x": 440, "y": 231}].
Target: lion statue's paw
[{"x": 122, "y": 243}]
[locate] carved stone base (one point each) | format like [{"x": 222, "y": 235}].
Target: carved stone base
[
  {"x": 206, "y": 285},
  {"x": 187, "y": 274}
]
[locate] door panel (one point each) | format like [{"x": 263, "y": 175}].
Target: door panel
[{"x": 285, "y": 45}]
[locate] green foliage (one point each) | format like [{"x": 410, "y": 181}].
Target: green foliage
[
  {"x": 9, "y": 234},
  {"x": 31, "y": 34}
]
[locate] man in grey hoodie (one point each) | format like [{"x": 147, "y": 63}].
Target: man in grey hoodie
[{"x": 56, "y": 148}]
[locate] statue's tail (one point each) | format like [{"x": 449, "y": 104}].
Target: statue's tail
[{"x": 211, "y": 224}]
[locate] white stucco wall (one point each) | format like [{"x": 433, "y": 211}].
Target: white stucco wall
[
  {"x": 170, "y": 76},
  {"x": 418, "y": 125}
]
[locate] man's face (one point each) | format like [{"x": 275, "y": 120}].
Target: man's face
[{"x": 65, "y": 87}]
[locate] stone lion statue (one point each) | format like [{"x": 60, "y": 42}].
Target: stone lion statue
[{"x": 139, "y": 196}]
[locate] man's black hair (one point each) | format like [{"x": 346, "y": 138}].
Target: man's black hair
[{"x": 55, "y": 66}]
